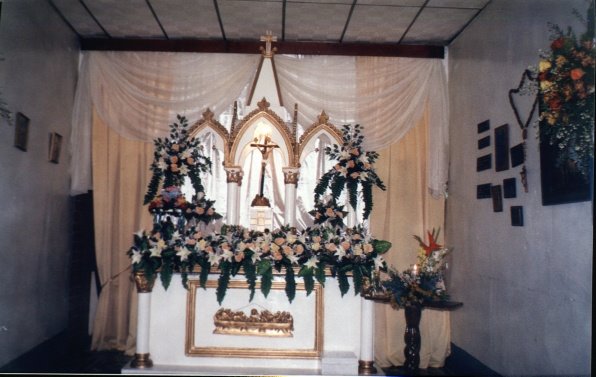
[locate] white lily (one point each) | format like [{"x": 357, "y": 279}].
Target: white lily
[
  {"x": 293, "y": 258},
  {"x": 379, "y": 262},
  {"x": 161, "y": 164},
  {"x": 214, "y": 259},
  {"x": 312, "y": 262},
  {"x": 255, "y": 257},
  {"x": 136, "y": 257},
  {"x": 340, "y": 252},
  {"x": 183, "y": 169},
  {"x": 227, "y": 255},
  {"x": 183, "y": 253}
]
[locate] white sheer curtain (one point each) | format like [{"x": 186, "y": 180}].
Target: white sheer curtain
[
  {"x": 138, "y": 94},
  {"x": 386, "y": 96}
]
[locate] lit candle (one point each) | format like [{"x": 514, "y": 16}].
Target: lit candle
[{"x": 415, "y": 269}]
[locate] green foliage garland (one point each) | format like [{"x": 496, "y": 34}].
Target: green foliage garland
[{"x": 353, "y": 169}]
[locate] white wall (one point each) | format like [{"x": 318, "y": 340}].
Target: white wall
[
  {"x": 38, "y": 78},
  {"x": 526, "y": 290}
]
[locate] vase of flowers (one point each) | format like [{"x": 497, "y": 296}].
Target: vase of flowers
[{"x": 566, "y": 96}]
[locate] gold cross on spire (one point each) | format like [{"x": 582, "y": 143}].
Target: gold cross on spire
[{"x": 268, "y": 38}]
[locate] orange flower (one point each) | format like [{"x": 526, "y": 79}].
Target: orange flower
[
  {"x": 557, "y": 43},
  {"x": 577, "y": 73}
]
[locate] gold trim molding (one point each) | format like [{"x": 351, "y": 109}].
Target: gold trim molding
[
  {"x": 264, "y": 323},
  {"x": 366, "y": 367},
  {"x": 191, "y": 349}
]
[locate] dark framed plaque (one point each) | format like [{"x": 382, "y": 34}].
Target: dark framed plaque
[
  {"x": 483, "y": 191},
  {"x": 517, "y": 155},
  {"x": 517, "y": 216},
  {"x": 502, "y": 148},
  {"x": 483, "y": 126},
  {"x": 509, "y": 188},
  {"x": 484, "y": 163},
  {"x": 484, "y": 142},
  {"x": 497, "y": 196}
]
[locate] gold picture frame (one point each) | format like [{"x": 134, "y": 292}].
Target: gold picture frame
[
  {"x": 21, "y": 132},
  {"x": 193, "y": 349},
  {"x": 55, "y": 147}
]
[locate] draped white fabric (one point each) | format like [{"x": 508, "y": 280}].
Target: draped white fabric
[{"x": 138, "y": 94}]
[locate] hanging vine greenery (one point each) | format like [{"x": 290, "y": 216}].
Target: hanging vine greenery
[
  {"x": 176, "y": 157},
  {"x": 354, "y": 168}
]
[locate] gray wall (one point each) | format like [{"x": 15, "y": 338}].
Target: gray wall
[
  {"x": 527, "y": 291},
  {"x": 38, "y": 78}
]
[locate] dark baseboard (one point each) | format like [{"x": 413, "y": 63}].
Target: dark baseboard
[{"x": 461, "y": 363}]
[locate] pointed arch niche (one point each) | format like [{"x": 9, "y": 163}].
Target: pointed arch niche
[{"x": 237, "y": 157}]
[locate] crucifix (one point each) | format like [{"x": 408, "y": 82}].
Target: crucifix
[
  {"x": 268, "y": 38},
  {"x": 265, "y": 148}
]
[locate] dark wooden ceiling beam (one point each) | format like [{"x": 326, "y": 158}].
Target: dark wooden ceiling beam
[{"x": 252, "y": 47}]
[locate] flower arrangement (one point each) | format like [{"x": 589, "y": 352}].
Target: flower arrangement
[
  {"x": 170, "y": 201},
  {"x": 176, "y": 157},
  {"x": 566, "y": 91},
  {"x": 354, "y": 168},
  {"x": 170, "y": 247},
  {"x": 328, "y": 211},
  {"x": 201, "y": 210},
  {"x": 424, "y": 281}
]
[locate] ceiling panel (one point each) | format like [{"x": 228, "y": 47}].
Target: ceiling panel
[
  {"x": 78, "y": 17},
  {"x": 316, "y": 22},
  {"x": 438, "y": 25},
  {"x": 379, "y": 24},
  {"x": 473, "y": 4},
  {"x": 398, "y": 3},
  {"x": 130, "y": 18},
  {"x": 188, "y": 18},
  {"x": 250, "y": 19}
]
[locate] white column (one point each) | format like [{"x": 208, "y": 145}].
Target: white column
[
  {"x": 142, "y": 358},
  {"x": 367, "y": 344},
  {"x": 291, "y": 175},
  {"x": 351, "y": 220},
  {"x": 234, "y": 179},
  {"x": 143, "y": 322}
]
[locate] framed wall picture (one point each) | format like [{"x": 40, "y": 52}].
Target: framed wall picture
[
  {"x": 509, "y": 188},
  {"x": 497, "y": 195},
  {"x": 483, "y": 126},
  {"x": 21, "y": 132},
  {"x": 502, "y": 148},
  {"x": 517, "y": 216},
  {"x": 484, "y": 162},
  {"x": 55, "y": 146},
  {"x": 483, "y": 191},
  {"x": 484, "y": 142},
  {"x": 517, "y": 155}
]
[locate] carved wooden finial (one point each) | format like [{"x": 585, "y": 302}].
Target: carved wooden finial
[
  {"x": 267, "y": 51},
  {"x": 263, "y": 104},
  {"x": 207, "y": 116},
  {"x": 323, "y": 118}
]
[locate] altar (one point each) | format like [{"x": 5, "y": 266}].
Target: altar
[{"x": 326, "y": 337}]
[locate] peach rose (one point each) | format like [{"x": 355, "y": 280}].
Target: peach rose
[
  {"x": 329, "y": 212},
  {"x": 351, "y": 164},
  {"x": 346, "y": 245},
  {"x": 239, "y": 256},
  {"x": 330, "y": 246},
  {"x": 210, "y": 211},
  {"x": 368, "y": 248},
  {"x": 279, "y": 241},
  {"x": 287, "y": 250},
  {"x": 209, "y": 249},
  {"x": 175, "y": 147},
  {"x": 190, "y": 161},
  {"x": 316, "y": 239},
  {"x": 200, "y": 210},
  {"x": 174, "y": 159},
  {"x": 355, "y": 152},
  {"x": 191, "y": 242},
  {"x": 298, "y": 249},
  {"x": 174, "y": 168},
  {"x": 277, "y": 256}
]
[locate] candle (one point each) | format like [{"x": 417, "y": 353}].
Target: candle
[{"x": 415, "y": 269}]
